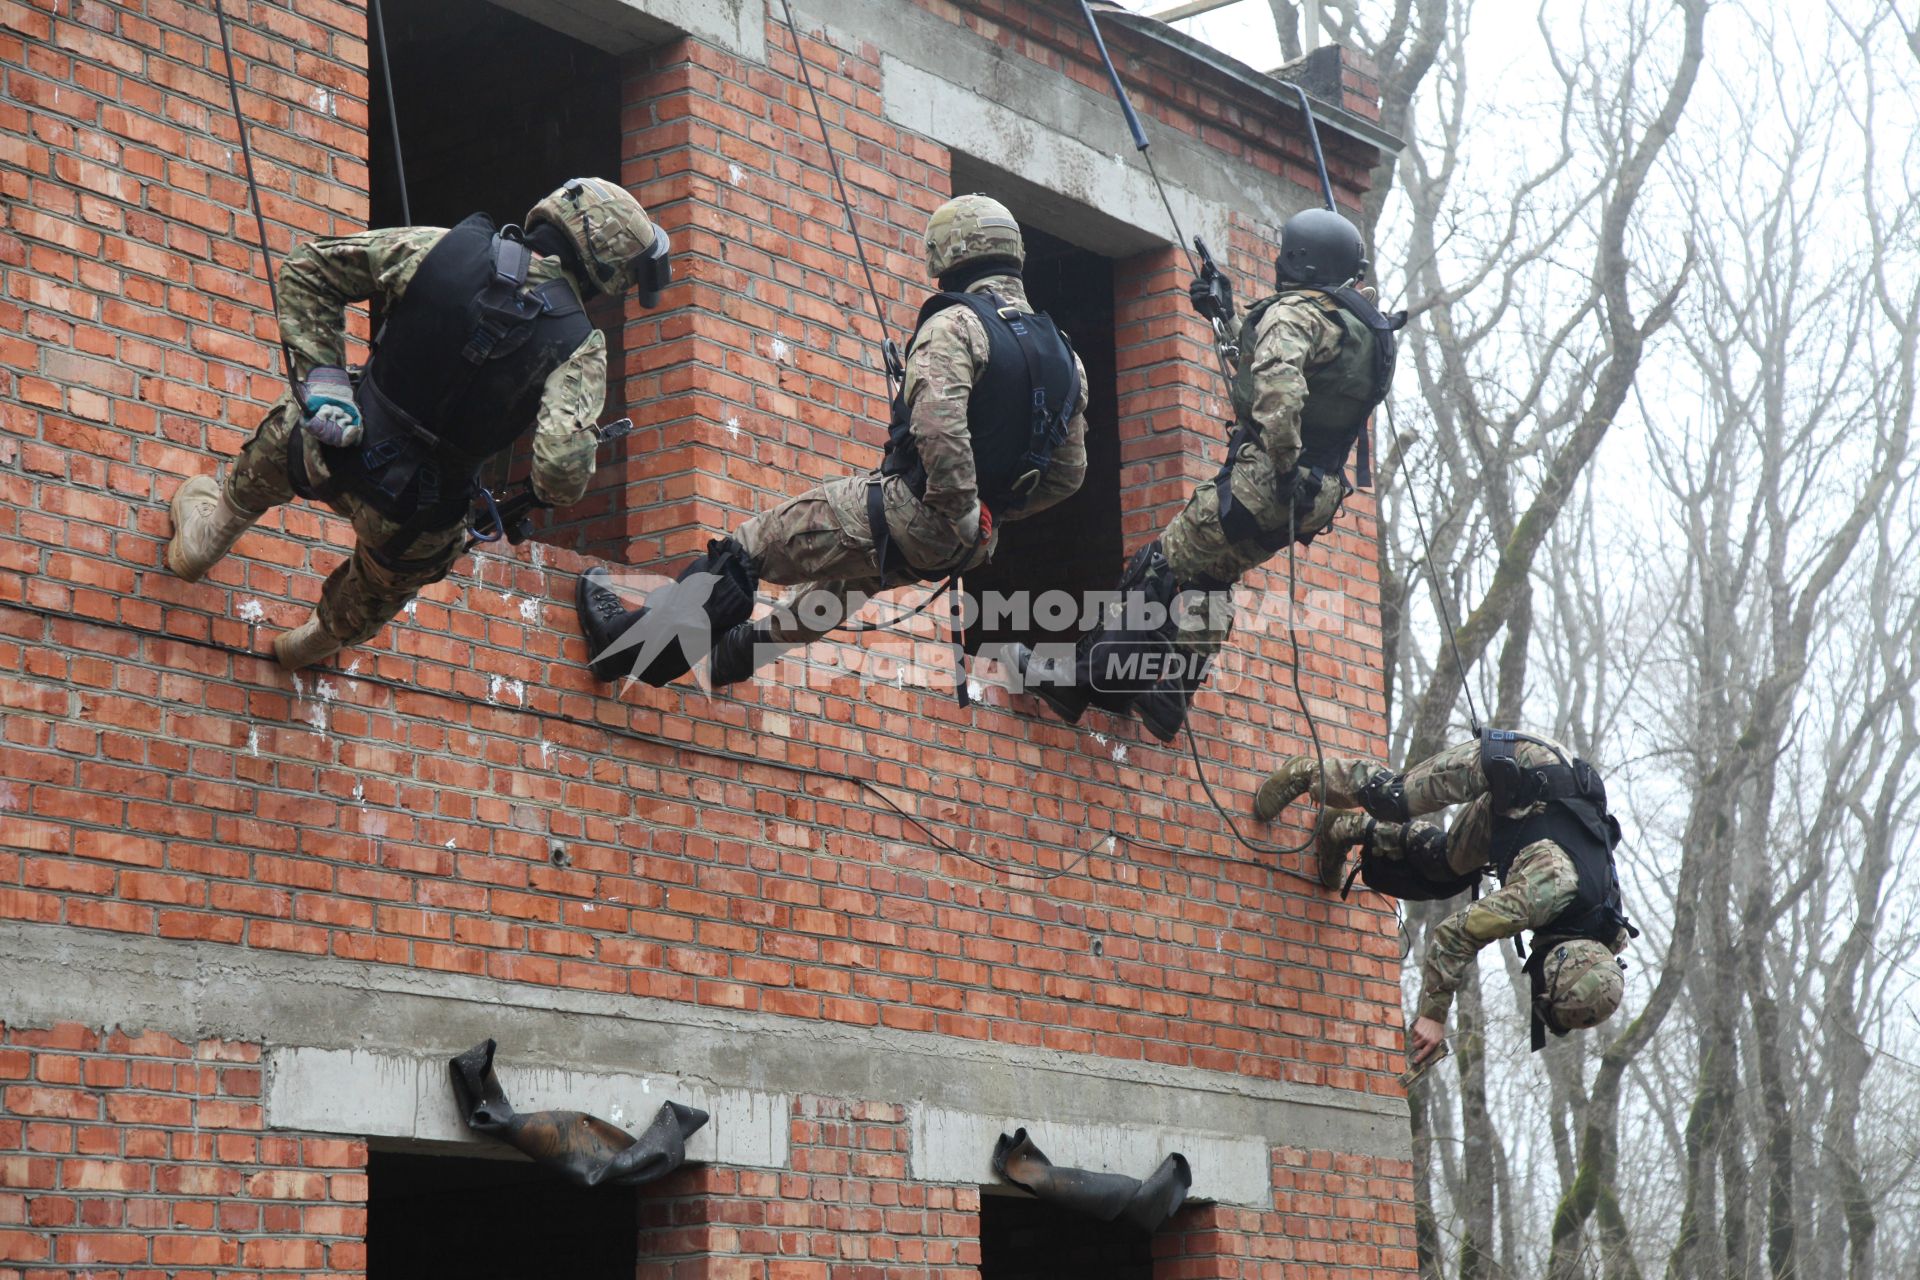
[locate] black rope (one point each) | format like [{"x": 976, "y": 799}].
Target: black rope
[
  {"x": 934, "y": 839},
  {"x": 1313, "y": 731},
  {"x": 889, "y": 350},
  {"x": 393, "y": 113},
  {"x": 253, "y": 187},
  {"x": 1439, "y": 594},
  {"x": 893, "y": 624}
]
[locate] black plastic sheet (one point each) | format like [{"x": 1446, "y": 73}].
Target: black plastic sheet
[
  {"x": 1110, "y": 1197},
  {"x": 584, "y": 1149}
]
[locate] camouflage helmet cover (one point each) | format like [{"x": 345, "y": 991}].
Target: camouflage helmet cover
[
  {"x": 970, "y": 227},
  {"x": 1584, "y": 983},
  {"x": 609, "y": 229}
]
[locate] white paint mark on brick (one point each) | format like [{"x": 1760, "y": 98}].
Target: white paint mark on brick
[
  {"x": 498, "y": 685},
  {"x": 1100, "y": 738},
  {"x": 9, "y": 798},
  {"x": 733, "y": 427},
  {"x": 317, "y": 717},
  {"x": 252, "y": 611},
  {"x": 325, "y": 691},
  {"x": 781, "y": 352},
  {"x": 412, "y": 609},
  {"x": 735, "y": 174},
  {"x": 975, "y": 689},
  {"x": 449, "y": 842},
  {"x": 1119, "y": 753},
  {"x": 353, "y": 667},
  {"x": 546, "y": 752},
  {"x": 359, "y": 793},
  {"x": 253, "y": 742},
  {"x": 530, "y": 609},
  {"x": 538, "y": 554}
]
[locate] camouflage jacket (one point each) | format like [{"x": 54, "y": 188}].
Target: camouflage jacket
[
  {"x": 1541, "y": 884},
  {"x": 946, "y": 359},
  {"x": 1293, "y": 336},
  {"x": 321, "y": 277}
]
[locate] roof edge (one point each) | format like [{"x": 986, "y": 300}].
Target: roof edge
[{"x": 1277, "y": 87}]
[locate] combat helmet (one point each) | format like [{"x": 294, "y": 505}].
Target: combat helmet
[
  {"x": 618, "y": 244},
  {"x": 971, "y": 229},
  {"x": 1319, "y": 247},
  {"x": 1582, "y": 986}
]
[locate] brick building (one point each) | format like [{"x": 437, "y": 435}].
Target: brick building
[{"x": 246, "y": 918}]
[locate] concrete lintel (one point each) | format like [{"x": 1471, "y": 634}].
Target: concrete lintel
[
  {"x": 54, "y": 973},
  {"x": 957, "y": 1146},
  {"x": 621, "y": 26},
  {"x": 407, "y": 1096},
  {"x": 986, "y": 102}
]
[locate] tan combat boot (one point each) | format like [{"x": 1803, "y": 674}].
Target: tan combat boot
[
  {"x": 1340, "y": 830},
  {"x": 205, "y": 526},
  {"x": 305, "y": 645},
  {"x": 1293, "y": 779}
]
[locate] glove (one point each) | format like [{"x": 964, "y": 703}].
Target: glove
[
  {"x": 986, "y": 525},
  {"x": 1212, "y": 296},
  {"x": 333, "y": 417}
]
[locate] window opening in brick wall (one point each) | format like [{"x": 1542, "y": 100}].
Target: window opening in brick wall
[
  {"x": 495, "y": 111},
  {"x": 430, "y": 1215},
  {"x": 1023, "y": 1239},
  {"x": 1076, "y": 546}
]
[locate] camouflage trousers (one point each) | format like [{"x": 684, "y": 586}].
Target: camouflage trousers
[
  {"x": 362, "y": 595},
  {"x": 821, "y": 544},
  {"x": 1451, "y": 777},
  {"x": 1198, "y": 548}
]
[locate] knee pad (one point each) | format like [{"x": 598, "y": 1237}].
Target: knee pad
[{"x": 1384, "y": 796}]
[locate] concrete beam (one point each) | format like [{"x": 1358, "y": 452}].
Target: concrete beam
[
  {"x": 622, "y": 26},
  {"x": 53, "y": 973},
  {"x": 401, "y": 1096},
  {"x": 957, "y": 1146},
  {"x": 1065, "y": 145}
]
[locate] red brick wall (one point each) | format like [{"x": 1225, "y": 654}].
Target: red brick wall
[
  {"x": 159, "y": 776},
  {"x": 141, "y": 1155}
]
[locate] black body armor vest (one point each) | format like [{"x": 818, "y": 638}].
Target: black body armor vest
[
  {"x": 1575, "y": 818},
  {"x": 1018, "y": 412},
  {"x": 457, "y": 374}
]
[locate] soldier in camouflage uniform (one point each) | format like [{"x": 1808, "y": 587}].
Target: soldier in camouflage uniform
[
  {"x": 961, "y": 459},
  {"x": 1527, "y": 814},
  {"x": 1316, "y": 359},
  {"x": 395, "y": 451}
]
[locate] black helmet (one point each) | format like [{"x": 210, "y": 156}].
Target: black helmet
[{"x": 1319, "y": 247}]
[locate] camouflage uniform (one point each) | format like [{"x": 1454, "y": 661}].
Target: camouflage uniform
[
  {"x": 1541, "y": 884},
  {"x": 316, "y": 283},
  {"x": 1293, "y": 336},
  {"x": 821, "y": 540}
]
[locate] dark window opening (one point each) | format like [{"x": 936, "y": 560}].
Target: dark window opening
[
  {"x": 496, "y": 111},
  {"x": 494, "y": 1220},
  {"x": 1076, "y": 546},
  {"x": 1023, "y": 1239}
]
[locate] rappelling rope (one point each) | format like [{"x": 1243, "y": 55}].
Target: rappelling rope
[
  {"x": 253, "y": 188},
  {"x": 1439, "y": 594},
  {"x": 1144, "y": 147},
  {"x": 890, "y": 356}
]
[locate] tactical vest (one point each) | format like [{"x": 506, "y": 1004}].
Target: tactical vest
[
  {"x": 1574, "y": 817},
  {"x": 1341, "y": 395},
  {"x": 457, "y": 374},
  {"x": 1018, "y": 412}
]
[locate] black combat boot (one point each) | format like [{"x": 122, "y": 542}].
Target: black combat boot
[
  {"x": 735, "y": 649},
  {"x": 1049, "y": 679},
  {"x": 603, "y": 620}
]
